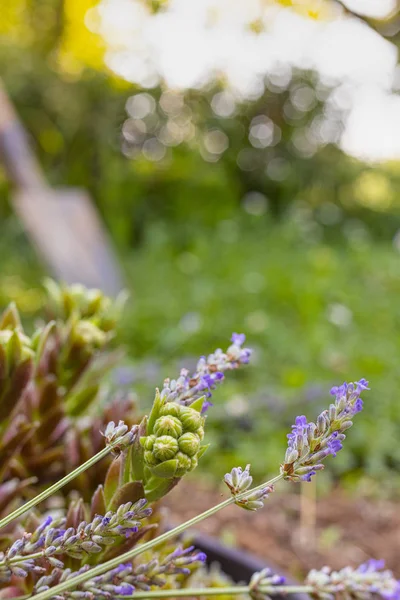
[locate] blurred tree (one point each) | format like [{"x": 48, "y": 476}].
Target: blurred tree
[{"x": 188, "y": 157}]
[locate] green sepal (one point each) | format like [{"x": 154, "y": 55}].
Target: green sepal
[
  {"x": 202, "y": 450},
  {"x": 155, "y": 412},
  {"x": 198, "y": 404},
  {"x": 129, "y": 492},
  {"x": 166, "y": 469},
  {"x": 135, "y": 459}
]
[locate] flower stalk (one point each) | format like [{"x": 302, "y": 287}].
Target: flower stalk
[
  {"x": 234, "y": 590},
  {"x": 128, "y": 556}
]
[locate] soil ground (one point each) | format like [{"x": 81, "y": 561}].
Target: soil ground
[{"x": 346, "y": 529}]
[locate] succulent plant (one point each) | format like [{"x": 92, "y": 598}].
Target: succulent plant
[{"x": 47, "y": 385}]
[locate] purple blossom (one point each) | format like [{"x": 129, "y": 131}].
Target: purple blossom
[
  {"x": 264, "y": 578},
  {"x": 307, "y": 476},
  {"x": 368, "y": 582},
  {"x": 238, "y": 339},
  {"x": 371, "y": 566},
  {"x": 334, "y": 444},
  {"x": 206, "y": 406},
  {"x": 310, "y": 443},
  {"x": 208, "y": 374},
  {"x": 126, "y": 589},
  {"x": 87, "y": 538}
]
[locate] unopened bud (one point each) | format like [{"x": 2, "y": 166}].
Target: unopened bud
[
  {"x": 168, "y": 425},
  {"x": 184, "y": 464},
  {"x": 170, "y": 408},
  {"x": 165, "y": 447},
  {"x": 189, "y": 444},
  {"x": 291, "y": 455},
  {"x": 191, "y": 420}
]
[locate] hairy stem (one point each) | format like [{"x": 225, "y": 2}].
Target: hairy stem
[
  {"x": 224, "y": 591},
  {"x": 115, "y": 562},
  {"x": 55, "y": 487}
]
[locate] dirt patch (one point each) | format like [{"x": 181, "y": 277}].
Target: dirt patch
[{"x": 346, "y": 529}]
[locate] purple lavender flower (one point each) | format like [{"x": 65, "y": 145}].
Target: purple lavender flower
[
  {"x": 310, "y": 443},
  {"x": 238, "y": 339},
  {"x": 126, "y": 578},
  {"x": 262, "y": 579},
  {"x": 239, "y": 481},
  {"x": 209, "y": 373},
  {"x": 369, "y": 581},
  {"x": 88, "y": 538},
  {"x": 119, "y": 437}
]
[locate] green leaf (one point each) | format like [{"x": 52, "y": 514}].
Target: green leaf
[
  {"x": 155, "y": 412},
  {"x": 10, "y": 318},
  {"x": 166, "y": 469},
  {"x": 198, "y": 404},
  {"x": 135, "y": 458},
  {"x": 158, "y": 488},
  {"x": 77, "y": 403},
  {"x": 202, "y": 450},
  {"x": 14, "y": 350},
  {"x": 129, "y": 492}
]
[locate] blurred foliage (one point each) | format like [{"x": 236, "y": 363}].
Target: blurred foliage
[{"x": 228, "y": 215}]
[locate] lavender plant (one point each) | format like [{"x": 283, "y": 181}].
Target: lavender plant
[{"x": 80, "y": 479}]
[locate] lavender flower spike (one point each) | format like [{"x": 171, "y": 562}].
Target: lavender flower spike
[
  {"x": 124, "y": 579},
  {"x": 209, "y": 372},
  {"x": 238, "y": 481},
  {"x": 52, "y": 539},
  {"x": 369, "y": 581},
  {"x": 310, "y": 443},
  {"x": 264, "y": 578}
]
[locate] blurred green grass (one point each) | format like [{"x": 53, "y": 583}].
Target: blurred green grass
[{"x": 315, "y": 314}]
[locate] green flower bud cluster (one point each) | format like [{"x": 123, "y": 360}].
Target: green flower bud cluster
[
  {"x": 85, "y": 334},
  {"x": 90, "y": 306},
  {"x": 15, "y": 346},
  {"x": 173, "y": 444}
]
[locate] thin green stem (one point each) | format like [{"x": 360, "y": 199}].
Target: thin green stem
[
  {"x": 55, "y": 487},
  {"x": 17, "y": 559},
  {"x": 115, "y": 562},
  {"x": 224, "y": 591}
]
